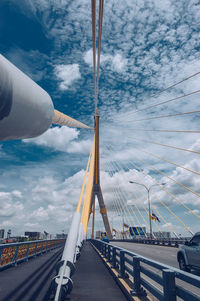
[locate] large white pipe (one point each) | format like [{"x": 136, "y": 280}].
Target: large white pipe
[
  {"x": 26, "y": 110},
  {"x": 66, "y": 269}
]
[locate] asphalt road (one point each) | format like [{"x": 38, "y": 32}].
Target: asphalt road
[
  {"x": 162, "y": 254},
  {"x": 166, "y": 255}
]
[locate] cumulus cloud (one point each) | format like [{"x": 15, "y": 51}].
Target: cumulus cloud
[
  {"x": 146, "y": 46},
  {"x": 117, "y": 62},
  {"x": 67, "y": 74},
  {"x": 9, "y": 204},
  {"x": 63, "y": 139}
]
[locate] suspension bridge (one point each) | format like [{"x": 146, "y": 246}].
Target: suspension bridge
[{"x": 140, "y": 262}]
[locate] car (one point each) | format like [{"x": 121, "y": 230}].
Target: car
[{"x": 188, "y": 255}]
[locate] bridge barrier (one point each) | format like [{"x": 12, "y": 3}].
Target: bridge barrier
[
  {"x": 160, "y": 242},
  {"x": 13, "y": 253},
  {"x": 162, "y": 281}
]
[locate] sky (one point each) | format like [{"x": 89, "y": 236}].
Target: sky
[{"x": 146, "y": 47}]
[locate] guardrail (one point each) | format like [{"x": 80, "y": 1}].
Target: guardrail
[
  {"x": 13, "y": 253},
  {"x": 164, "y": 282},
  {"x": 161, "y": 242}
]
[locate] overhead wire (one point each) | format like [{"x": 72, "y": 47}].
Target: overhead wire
[
  {"x": 167, "y": 161},
  {"x": 93, "y": 4},
  {"x": 173, "y": 85},
  {"x": 96, "y": 67},
  {"x": 164, "y": 116},
  {"x": 142, "y": 193},
  {"x": 117, "y": 199},
  {"x": 101, "y": 3},
  {"x": 180, "y": 184},
  {"x": 166, "y": 145},
  {"x": 166, "y": 131},
  {"x": 161, "y": 103},
  {"x": 186, "y": 227},
  {"x": 137, "y": 167},
  {"x": 121, "y": 196},
  {"x": 118, "y": 168}
]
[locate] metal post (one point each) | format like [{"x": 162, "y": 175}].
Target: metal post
[
  {"x": 113, "y": 257},
  {"x": 109, "y": 253},
  {"x": 136, "y": 274},
  {"x": 137, "y": 289},
  {"x": 148, "y": 198},
  {"x": 93, "y": 219},
  {"x": 14, "y": 259},
  {"x": 122, "y": 265},
  {"x": 1, "y": 252},
  {"x": 27, "y": 251},
  {"x": 169, "y": 285},
  {"x": 35, "y": 250},
  {"x": 150, "y": 223},
  {"x": 123, "y": 227}
]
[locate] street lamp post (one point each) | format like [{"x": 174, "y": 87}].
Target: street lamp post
[{"x": 149, "y": 203}]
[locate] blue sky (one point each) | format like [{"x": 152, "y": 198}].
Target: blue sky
[{"x": 146, "y": 46}]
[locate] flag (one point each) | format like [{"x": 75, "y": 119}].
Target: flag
[
  {"x": 154, "y": 217},
  {"x": 125, "y": 225}
]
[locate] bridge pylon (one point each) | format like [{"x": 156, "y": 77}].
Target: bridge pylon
[{"x": 96, "y": 191}]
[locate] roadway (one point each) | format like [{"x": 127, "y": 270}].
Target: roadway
[{"x": 162, "y": 254}]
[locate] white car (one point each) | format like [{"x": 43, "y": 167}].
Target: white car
[{"x": 188, "y": 255}]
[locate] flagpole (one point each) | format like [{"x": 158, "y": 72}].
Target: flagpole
[
  {"x": 150, "y": 223},
  {"x": 123, "y": 227},
  {"x": 149, "y": 204}
]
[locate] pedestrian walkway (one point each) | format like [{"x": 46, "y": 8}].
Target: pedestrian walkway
[
  {"x": 31, "y": 281},
  {"x": 92, "y": 280}
]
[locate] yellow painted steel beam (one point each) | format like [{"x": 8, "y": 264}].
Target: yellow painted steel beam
[
  {"x": 78, "y": 208},
  {"x": 88, "y": 194},
  {"x": 62, "y": 119}
]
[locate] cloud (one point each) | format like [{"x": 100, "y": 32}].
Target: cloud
[
  {"x": 67, "y": 74},
  {"x": 63, "y": 139},
  {"x": 117, "y": 62},
  {"x": 9, "y": 204},
  {"x": 146, "y": 46},
  {"x": 32, "y": 227},
  {"x": 32, "y": 62}
]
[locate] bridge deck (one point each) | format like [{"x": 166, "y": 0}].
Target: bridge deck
[
  {"x": 92, "y": 281},
  {"x": 30, "y": 281}
]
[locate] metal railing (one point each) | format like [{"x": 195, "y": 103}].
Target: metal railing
[
  {"x": 13, "y": 253},
  {"x": 163, "y": 282},
  {"x": 172, "y": 242}
]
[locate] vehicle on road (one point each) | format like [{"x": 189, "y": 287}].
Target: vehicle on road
[{"x": 188, "y": 255}]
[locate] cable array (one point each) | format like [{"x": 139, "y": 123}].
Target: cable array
[
  {"x": 96, "y": 67},
  {"x": 162, "y": 203}
]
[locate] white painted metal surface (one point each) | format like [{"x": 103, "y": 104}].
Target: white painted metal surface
[
  {"x": 26, "y": 110},
  {"x": 68, "y": 254}
]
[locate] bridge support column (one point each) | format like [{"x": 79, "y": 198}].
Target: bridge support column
[{"x": 96, "y": 182}]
